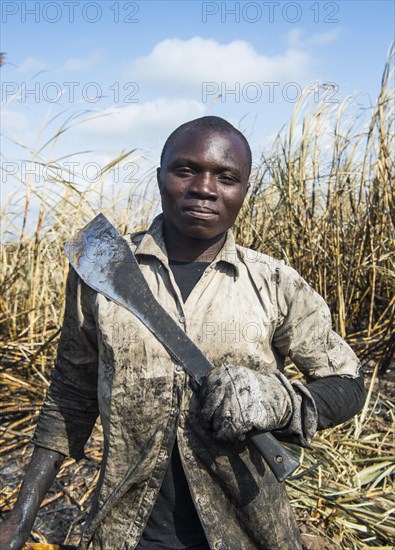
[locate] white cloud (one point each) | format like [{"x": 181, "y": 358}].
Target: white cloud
[
  {"x": 32, "y": 64},
  {"x": 298, "y": 38},
  {"x": 82, "y": 63},
  {"x": 323, "y": 38},
  {"x": 182, "y": 66},
  {"x": 137, "y": 124}
]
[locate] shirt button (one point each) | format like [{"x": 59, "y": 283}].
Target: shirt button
[
  {"x": 182, "y": 319},
  {"x": 187, "y": 455},
  {"x": 175, "y": 411},
  {"x": 220, "y": 545},
  {"x": 202, "y": 501},
  {"x": 179, "y": 368}
]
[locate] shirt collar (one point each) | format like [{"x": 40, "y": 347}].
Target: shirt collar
[{"x": 153, "y": 244}]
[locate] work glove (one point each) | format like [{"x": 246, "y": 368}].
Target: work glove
[{"x": 236, "y": 399}]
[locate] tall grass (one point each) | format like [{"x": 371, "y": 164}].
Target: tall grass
[{"x": 323, "y": 199}]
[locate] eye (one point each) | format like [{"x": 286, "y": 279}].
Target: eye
[
  {"x": 228, "y": 179},
  {"x": 183, "y": 171}
]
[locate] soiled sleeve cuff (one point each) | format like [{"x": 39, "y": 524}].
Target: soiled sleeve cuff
[{"x": 303, "y": 421}]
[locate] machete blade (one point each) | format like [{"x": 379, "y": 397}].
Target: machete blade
[
  {"x": 106, "y": 263},
  {"x": 104, "y": 260}
]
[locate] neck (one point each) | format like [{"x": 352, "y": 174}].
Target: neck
[{"x": 187, "y": 249}]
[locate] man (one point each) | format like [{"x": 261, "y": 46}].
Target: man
[{"x": 178, "y": 471}]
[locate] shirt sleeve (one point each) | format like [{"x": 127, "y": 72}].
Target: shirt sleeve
[
  {"x": 304, "y": 331},
  {"x": 70, "y": 408},
  {"x": 334, "y": 388}
]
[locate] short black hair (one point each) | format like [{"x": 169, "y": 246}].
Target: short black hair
[{"x": 215, "y": 123}]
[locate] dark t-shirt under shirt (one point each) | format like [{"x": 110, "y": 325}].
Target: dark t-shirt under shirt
[{"x": 174, "y": 523}]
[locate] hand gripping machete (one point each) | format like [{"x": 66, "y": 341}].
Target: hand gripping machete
[{"x": 105, "y": 262}]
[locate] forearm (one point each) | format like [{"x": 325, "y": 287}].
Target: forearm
[
  {"x": 337, "y": 399},
  {"x": 39, "y": 476},
  {"x": 322, "y": 404}
]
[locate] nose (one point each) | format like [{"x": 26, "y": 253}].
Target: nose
[{"x": 204, "y": 185}]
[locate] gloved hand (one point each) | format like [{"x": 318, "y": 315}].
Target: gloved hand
[{"x": 237, "y": 399}]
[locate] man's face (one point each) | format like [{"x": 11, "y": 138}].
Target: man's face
[{"x": 203, "y": 181}]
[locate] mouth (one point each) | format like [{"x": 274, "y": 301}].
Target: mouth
[{"x": 200, "y": 212}]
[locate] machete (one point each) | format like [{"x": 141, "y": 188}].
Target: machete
[{"x": 105, "y": 262}]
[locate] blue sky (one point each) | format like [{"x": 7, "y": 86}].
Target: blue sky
[{"x": 140, "y": 69}]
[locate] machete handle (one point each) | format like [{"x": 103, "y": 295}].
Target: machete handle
[{"x": 281, "y": 462}]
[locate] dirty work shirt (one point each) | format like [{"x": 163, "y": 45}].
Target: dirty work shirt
[
  {"x": 174, "y": 522},
  {"x": 246, "y": 309}
]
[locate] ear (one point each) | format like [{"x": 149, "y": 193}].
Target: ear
[{"x": 247, "y": 188}]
